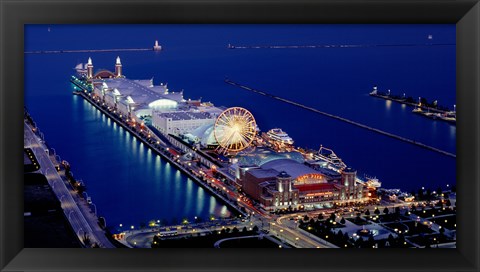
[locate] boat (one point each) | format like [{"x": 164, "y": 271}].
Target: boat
[
  {"x": 417, "y": 110},
  {"x": 279, "y": 136},
  {"x": 449, "y": 119},
  {"x": 81, "y": 68},
  {"x": 326, "y": 154},
  {"x": 372, "y": 182}
]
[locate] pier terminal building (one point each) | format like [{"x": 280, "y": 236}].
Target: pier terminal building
[
  {"x": 282, "y": 181},
  {"x": 155, "y": 105},
  {"x": 276, "y": 180}
]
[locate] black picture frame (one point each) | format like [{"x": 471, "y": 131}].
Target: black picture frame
[{"x": 14, "y": 14}]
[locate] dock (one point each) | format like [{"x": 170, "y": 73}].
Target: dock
[
  {"x": 388, "y": 134},
  {"x": 429, "y": 112}
]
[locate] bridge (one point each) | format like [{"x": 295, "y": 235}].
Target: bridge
[{"x": 391, "y": 135}]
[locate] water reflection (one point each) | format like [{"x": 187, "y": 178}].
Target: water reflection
[
  {"x": 388, "y": 104},
  {"x": 200, "y": 200}
]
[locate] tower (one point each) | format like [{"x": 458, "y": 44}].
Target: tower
[
  {"x": 118, "y": 68},
  {"x": 286, "y": 195},
  {"x": 348, "y": 181},
  {"x": 157, "y": 47},
  {"x": 89, "y": 68}
]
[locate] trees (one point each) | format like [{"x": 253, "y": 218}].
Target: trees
[
  {"x": 255, "y": 228},
  {"x": 306, "y": 218},
  {"x": 371, "y": 240},
  {"x": 320, "y": 216},
  {"x": 420, "y": 194},
  {"x": 442, "y": 231},
  {"x": 397, "y": 210},
  {"x": 376, "y": 211},
  {"x": 342, "y": 221},
  {"x": 391, "y": 240},
  {"x": 235, "y": 230},
  {"x": 333, "y": 216},
  {"x": 86, "y": 239},
  {"x": 386, "y": 211},
  {"x": 367, "y": 212}
]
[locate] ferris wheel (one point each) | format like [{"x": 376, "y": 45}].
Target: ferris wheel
[{"x": 235, "y": 129}]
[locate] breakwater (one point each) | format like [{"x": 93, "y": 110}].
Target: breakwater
[
  {"x": 88, "y": 50},
  {"x": 391, "y": 135}
]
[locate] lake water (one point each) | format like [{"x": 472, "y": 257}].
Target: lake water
[{"x": 131, "y": 185}]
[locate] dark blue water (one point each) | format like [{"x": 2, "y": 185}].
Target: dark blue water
[{"x": 131, "y": 185}]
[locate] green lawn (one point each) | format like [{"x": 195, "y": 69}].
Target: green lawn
[
  {"x": 436, "y": 211},
  {"x": 431, "y": 239},
  {"x": 358, "y": 221},
  {"x": 420, "y": 228},
  {"x": 450, "y": 224}
]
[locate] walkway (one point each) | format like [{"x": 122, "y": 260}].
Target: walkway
[{"x": 81, "y": 220}]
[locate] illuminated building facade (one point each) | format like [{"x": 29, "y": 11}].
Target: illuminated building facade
[
  {"x": 272, "y": 189},
  {"x": 134, "y": 99},
  {"x": 283, "y": 183},
  {"x": 180, "y": 122},
  {"x": 118, "y": 68},
  {"x": 89, "y": 68}
]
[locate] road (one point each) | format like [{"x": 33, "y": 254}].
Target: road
[
  {"x": 82, "y": 220},
  {"x": 287, "y": 230},
  {"x": 143, "y": 238},
  {"x": 260, "y": 236}
]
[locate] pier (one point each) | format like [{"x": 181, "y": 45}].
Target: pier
[
  {"x": 424, "y": 110},
  {"x": 78, "y": 213},
  {"x": 158, "y": 149},
  {"x": 391, "y": 135}
]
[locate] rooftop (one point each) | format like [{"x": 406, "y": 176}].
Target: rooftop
[
  {"x": 263, "y": 173},
  {"x": 139, "y": 90},
  {"x": 292, "y": 167},
  {"x": 262, "y": 155},
  {"x": 185, "y": 115}
]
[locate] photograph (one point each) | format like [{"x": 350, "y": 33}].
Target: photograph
[{"x": 240, "y": 136}]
